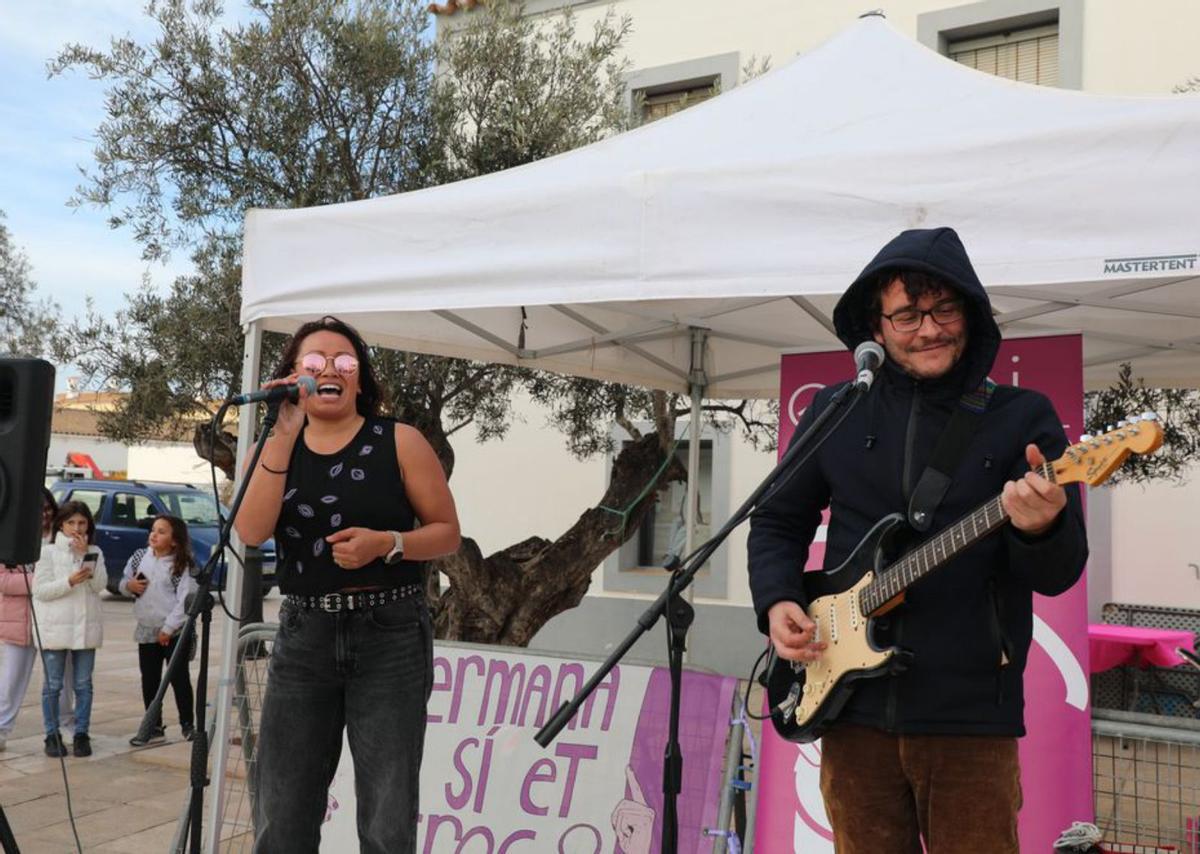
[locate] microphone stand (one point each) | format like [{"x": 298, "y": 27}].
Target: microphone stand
[
  {"x": 201, "y": 607},
  {"x": 680, "y": 614}
]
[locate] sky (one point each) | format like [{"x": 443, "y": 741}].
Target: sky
[
  {"x": 47, "y": 129},
  {"x": 47, "y": 133}
]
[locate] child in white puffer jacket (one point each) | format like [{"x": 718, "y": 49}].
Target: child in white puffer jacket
[
  {"x": 66, "y": 593},
  {"x": 160, "y": 576}
]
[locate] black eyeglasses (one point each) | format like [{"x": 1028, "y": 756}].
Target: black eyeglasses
[{"x": 910, "y": 319}]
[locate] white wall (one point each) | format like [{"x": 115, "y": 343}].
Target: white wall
[
  {"x": 1139, "y": 48},
  {"x": 109, "y": 456},
  {"x": 174, "y": 462},
  {"x": 524, "y": 485},
  {"x": 1128, "y": 48},
  {"x": 1155, "y": 548}
]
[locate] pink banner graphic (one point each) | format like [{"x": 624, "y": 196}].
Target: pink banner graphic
[{"x": 1056, "y": 758}]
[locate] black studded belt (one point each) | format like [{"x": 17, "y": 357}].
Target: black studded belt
[{"x": 359, "y": 600}]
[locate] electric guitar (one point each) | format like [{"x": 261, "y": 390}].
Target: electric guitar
[{"x": 845, "y": 601}]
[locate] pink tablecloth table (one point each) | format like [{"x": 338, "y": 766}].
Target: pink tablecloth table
[{"x": 1110, "y": 646}]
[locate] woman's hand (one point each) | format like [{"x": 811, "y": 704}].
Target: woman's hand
[
  {"x": 137, "y": 586},
  {"x": 163, "y": 639},
  {"x": 79, "y": 576},
  {"x": 291, "y": 415},
  {"x": 356, "y": 547}
]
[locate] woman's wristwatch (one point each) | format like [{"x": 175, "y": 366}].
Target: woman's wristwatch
[{"x": 397, "y": 553}]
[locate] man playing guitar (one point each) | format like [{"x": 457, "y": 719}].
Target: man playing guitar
[{"x": 927, "y": 752}]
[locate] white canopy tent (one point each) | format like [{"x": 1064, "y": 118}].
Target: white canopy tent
[
  {"x": 747, "y": 215},
  {"x": 689, "y": 253}
]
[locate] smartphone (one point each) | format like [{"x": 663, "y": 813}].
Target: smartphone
[
  {"x": 89, "y": 561},
  {"x": 139, "y": 576}
]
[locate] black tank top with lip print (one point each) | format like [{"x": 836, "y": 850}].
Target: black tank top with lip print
[{"x": 358, "y": 486}]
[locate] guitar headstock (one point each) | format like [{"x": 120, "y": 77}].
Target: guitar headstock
[{"x": 1094, "y": 458}]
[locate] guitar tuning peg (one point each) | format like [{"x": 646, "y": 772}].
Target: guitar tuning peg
[
  {"x": 1134, "y": 419},
  {"x": 1149, "y": 416},
  {"x": 1084, "y": 438},
  {"x": 1121, "y": 425},
  {"x": 1110, "y": 428}
]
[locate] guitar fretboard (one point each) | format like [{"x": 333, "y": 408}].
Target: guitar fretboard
[{"x": 933, "y": 553}]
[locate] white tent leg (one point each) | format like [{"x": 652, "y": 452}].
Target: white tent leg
[
  {"x": 698, "y": 381},
  {"x": 251, "y": 361}
]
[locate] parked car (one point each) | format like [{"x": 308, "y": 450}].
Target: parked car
[{"x": 125, "y": 509}]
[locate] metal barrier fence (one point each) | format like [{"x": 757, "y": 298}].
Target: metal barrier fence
[
  {"x": 1146, "y": 778},
  {"x": 250, "y": 681}
]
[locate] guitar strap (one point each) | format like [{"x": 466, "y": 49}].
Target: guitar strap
[{"x": 952, "y": 444}]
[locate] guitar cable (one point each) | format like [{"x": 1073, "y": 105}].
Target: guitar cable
[{"x": 750, "y": 684}]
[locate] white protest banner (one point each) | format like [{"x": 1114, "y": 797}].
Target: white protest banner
[{"x": 488, "y": 788}]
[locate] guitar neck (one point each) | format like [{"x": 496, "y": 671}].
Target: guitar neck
[{"x": 935, "y": 553}]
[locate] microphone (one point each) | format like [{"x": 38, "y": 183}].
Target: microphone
[
  {"x": 291, "y": 392},
  {"x": 868, "y": 356}
]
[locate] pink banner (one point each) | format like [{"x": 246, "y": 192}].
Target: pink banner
[{"x": 1056, "y": 758}]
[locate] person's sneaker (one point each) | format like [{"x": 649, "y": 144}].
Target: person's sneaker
[
  {"x": 156, "y": 735},
  {"x": 187, "y": 730},
  {"x": 82, "y": 745},
  {"x": 55, "y": 746}
]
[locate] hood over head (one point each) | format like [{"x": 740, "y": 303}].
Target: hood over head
[{"x": 938, "y": 252}]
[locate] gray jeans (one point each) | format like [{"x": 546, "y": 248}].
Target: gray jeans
[{"x": 369, "y": 672}]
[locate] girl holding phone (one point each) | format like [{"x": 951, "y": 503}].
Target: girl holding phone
[
  {"x": 160, "y": 577},
  {"x": 66, "y": 590}
]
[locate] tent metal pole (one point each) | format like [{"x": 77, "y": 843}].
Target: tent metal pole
[
  {"x": 698, "y": 380},
  {"x": 251, "y": 363}
]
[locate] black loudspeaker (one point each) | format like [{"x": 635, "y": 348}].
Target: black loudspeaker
[{"x": 26, "y": 405}]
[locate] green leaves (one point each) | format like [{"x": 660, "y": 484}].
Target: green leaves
[
  {"x": 1178, "y": 410},
  {"x": 25, "y": 321},
  {"x": 312, "y": 102}
]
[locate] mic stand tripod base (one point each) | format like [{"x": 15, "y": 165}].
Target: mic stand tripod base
[{"x": 680, "y": 616}]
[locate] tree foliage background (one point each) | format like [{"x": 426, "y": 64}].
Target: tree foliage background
[
  {"x": 26, "y": 322},
  {"x": 1177, "y": 409}
]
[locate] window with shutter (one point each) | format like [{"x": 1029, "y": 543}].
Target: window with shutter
[
  {"x": 665, "y": 102},
  {"x": 1029, "y": 55}
]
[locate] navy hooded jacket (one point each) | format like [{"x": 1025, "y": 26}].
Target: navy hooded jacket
[{"x": 969, "y": 624}]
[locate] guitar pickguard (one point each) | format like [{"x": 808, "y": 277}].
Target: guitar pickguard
[{"x": 849, "y": 654}]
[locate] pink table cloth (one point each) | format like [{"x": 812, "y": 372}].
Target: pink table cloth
[{"x": 1110, "y": 646}]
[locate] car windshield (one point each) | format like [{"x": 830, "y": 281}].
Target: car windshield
[{"x": 195, "y": 508}]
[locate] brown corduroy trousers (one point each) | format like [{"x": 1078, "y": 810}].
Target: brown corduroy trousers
[{"x": 887, "y": 793}]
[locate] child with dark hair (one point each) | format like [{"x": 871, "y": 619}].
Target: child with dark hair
[
  {"x": 160, "y": 577},
  {"x": 66, "y": 590}
]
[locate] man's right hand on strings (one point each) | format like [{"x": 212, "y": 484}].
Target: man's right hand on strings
[{"x": 792, "y": 633}]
